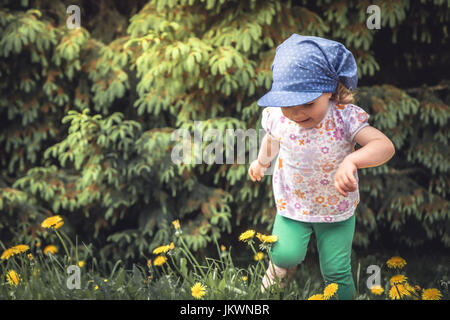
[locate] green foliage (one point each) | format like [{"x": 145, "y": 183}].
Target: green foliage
[{"x": 86, "y": 124}]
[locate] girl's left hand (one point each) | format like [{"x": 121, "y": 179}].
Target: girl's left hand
[{"x": 344, "y": 179}]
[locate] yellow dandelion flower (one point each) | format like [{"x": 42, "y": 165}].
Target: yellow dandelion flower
[
  {"x": 271, "y": 239},
  {"x": 38, "y": 244},
  {"x": 223, "y": 248},
  {"x": 409, "y": 288},
  {"x": 30, "y": 256},
  {"x": 8, "y": 253},
  {"x": 247, "y": 235},
  {"x": 50, "y": 249},
  {"x": 398, "y": 291},
  {"x": 159, "y": 261},
  {"x": 161, "y": 249},
  {"x": 396, "y": 262},
  {"x": 260, "y": 236},
  {"x": 164, "y": 249},
  {"x": 398, "y": 278},
  {"x": 431, "y": 294},
  {"x": 13, "y": 277},
  {"x": 377, "y": 290},
  {"x": 198, "y": 290},
  {"x": 330, "y": 290},
  {"x": 53, "y": 222},
  {"x": 316, "y": 297},
  {"x": 259, "y": 256},
  {"x": 58, "y": 225},
  {"x": 96, "y": 287},
  {"x": 395, "y": 294},
  {"x": 21, "y": 248},
  {"x": 176, "y": 224},
  {"x": 244, "y": 278},
  {"x": 267, "y": 238},
  {"x": 81, "y": 264}
]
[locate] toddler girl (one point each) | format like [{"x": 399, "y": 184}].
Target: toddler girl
[{"x": 313, "y": 127}]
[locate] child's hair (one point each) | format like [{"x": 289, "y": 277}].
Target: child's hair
[{"x": 342, "y": 95}]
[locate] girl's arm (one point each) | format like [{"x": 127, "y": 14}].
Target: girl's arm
[
  {"x": 376, "y": 149},
  {"x": 268, "y": 151}
]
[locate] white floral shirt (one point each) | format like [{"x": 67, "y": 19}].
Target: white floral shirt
[{"x": 303, "y": 177}]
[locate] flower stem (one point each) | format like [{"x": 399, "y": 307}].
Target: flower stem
[
  {"x": 64, "y": 245},
  {"x": 192, "y": 258},
  {"x": 175, "y": 265},
  {"x": 399, "y": 295},
  {"x": 256, "y": 254}
]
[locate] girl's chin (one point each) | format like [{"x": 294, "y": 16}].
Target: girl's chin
[{"x": 306, "y": 123}]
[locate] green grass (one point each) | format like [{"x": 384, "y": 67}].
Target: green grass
[{"x": 45, "y": 276}]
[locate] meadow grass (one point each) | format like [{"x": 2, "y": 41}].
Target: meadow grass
[{"x": 174, "y": 273}]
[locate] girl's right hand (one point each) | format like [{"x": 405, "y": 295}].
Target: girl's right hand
[{"x": 256, "y": 171}]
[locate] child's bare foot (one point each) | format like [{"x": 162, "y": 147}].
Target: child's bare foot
[
  {"x": 284, "y": 274},
  {"x": 269, "y": 277}
]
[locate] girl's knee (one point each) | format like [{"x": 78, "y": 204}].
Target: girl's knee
[{"x": 286, "y": 258}]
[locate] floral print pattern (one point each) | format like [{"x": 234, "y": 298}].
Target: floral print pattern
[{"x": 303, "y": 177}]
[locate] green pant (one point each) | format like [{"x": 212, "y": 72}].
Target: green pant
[{"x": 334, "y": 244}]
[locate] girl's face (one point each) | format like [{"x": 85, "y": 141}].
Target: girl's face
[{"x": 309, "y": 114}]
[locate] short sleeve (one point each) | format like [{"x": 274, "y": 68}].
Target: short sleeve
[
  {"x": 355, "y": 118},
  {"x": 267, "y": 121}
]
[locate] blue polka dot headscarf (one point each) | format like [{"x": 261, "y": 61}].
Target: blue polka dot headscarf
[{"x": 304, "y": 67}]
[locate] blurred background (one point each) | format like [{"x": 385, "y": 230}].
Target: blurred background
[{"x": 87, "y": 114}]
